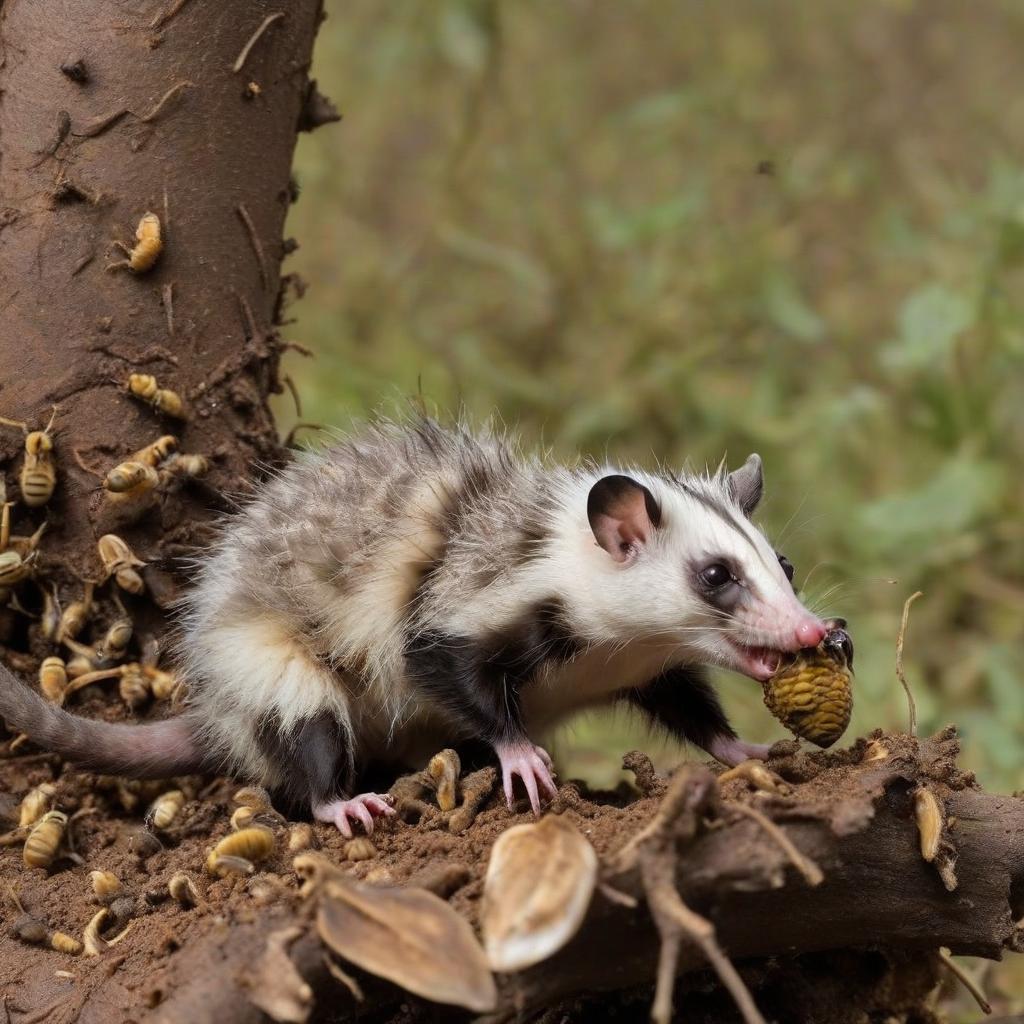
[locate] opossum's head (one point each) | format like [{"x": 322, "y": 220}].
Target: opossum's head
[{"x": 679, "y": 562}]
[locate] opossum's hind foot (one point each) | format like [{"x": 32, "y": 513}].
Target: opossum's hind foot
[
  {"x": 533, "y": 765},
  {"x": 732, "y": 751},
  {"x": 363, "y": 808}
]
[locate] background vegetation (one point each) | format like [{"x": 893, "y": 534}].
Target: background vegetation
[{"x": 683, "y": 229}]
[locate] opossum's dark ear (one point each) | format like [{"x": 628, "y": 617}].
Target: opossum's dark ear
[
  {"x": 623, "y": 514},
  {"x": 747, "y": 483}
]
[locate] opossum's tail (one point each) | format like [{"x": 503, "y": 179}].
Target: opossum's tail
[{"x": 151, "y": 751}]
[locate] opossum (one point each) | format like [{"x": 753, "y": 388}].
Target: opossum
[{"x": 418, "y": 585}]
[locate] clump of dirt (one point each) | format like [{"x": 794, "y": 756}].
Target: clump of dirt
[{"x": 108, "y": 832}]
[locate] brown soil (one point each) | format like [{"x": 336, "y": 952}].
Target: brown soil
[{"x": 135, "y": 975}]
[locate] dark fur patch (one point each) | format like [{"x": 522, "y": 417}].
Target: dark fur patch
[
  {"x": 479, "y": 681},
  {"x": 683, "y": 702},
  {"x": 313, "y": 759}
]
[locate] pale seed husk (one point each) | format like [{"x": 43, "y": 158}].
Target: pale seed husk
[{"x": 539, "y": 883}]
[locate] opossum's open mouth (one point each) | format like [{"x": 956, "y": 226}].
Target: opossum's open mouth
[{"x": 759, "y": 663}]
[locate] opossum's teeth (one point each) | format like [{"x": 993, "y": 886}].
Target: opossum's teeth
[
  {"x": 759, "y": 663},
  {"x": 533, "y": 766},
  {"x": 363, "y": 808}
]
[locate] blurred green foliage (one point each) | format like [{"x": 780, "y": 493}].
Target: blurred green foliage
[{"x": 677, "y": 230}]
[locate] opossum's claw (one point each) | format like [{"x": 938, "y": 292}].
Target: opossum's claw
[
  {"x": 363, "y": 808},
  {"x": 533, "y": 765}
]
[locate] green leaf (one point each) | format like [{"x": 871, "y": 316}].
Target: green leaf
[{"x": 930, "y": 321}]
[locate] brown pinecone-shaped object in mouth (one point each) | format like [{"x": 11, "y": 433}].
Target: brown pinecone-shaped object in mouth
[{"x": 811, "y": 692}]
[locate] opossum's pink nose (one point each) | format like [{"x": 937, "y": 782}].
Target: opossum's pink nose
[{"x": 810, "y": 633}]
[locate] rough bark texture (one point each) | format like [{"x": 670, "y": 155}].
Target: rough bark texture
[{"x": 148, "y": 114}]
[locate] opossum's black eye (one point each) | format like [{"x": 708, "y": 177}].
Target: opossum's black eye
[
  {"x": 787, "y": 566},
  {"x": 715, "y": 575}
]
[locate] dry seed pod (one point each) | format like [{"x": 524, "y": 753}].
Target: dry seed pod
[
  {"x": 250, "y": 845},
  {"x": 360, "y": 848},
  {"x": 105, "y": 884},
  {"x": 144, "y": 386},
  {"x": 540, "y": 879},
  {"x": 811, "y": 694},
  {"x": 243, "y": 817},
  {"x": 255, "y": 797},
  {"x": 94, "y": 943},
  {"x": 165, "y": 808},
  {"x": 408, "y": 936},
  {"x": 929, "y": 822},
  {"x": 45, "y": 840},
  {"x": 301, "y": 837},
  {"x": 443, "y": 771},
  {"x": 147, "y": 248},
  {"x": 120, "y": 562},
  {"x": 183, "y": 889},
  {"x": 53, "y": 679},
  {"x": 65, "y": 943},
  {"x": 35, "y": 803}
]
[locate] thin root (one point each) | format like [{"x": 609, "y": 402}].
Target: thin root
[
  {"x": 813, "y": 875},
  {"x": 254, "y": 240},
  {"x": 163, "y": 101},
  {"x": 247, "y": 49},
  {"x": 912, "y": 707},
  {"x": 290, "y": 384},
  {"x": 692, "y": 795},
  {"x": 966, "y": 980},
  {"x": 165, "y": 15}
]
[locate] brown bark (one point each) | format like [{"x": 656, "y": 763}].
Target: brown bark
[{"x": 109, "y": 111}]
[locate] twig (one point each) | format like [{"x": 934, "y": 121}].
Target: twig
[
  {"x": 165, "y": 16},
  {"x": 966, "y": 980},
  {"x": 248, "y": 317},
  {"x": 289, "y": 440},
  {"x": 692, "y": 794},
  {"x": 264, "y": 25},
  {"x": 168, "y": 296},
  {"x": 100, "y": 124},
  {"x": 254, "y": 240},
  {"x": 290, "y": 384},
  {"x": 813, "y": 875},
  {"x": 899, "y": 660},
  {"x": 674, "y": 920},
  {"x": 163, "y": 101}
]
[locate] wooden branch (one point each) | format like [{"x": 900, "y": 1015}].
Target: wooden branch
[{"x": 857, "y": 824}]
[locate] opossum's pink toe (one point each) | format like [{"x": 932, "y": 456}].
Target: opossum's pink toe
[
  {"x": 363, "y": 808},
  {"x": 731, "y": 751},
  {"x": 532, "y": 765}
]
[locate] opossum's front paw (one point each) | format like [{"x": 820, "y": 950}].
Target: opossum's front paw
[
  {"x": 363, "y": 808},
  {"x": 533, "y": 765},
  {"x": 731, "y": 751}
]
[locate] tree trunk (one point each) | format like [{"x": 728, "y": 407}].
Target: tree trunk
[{"x": 187, "y": 109}]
